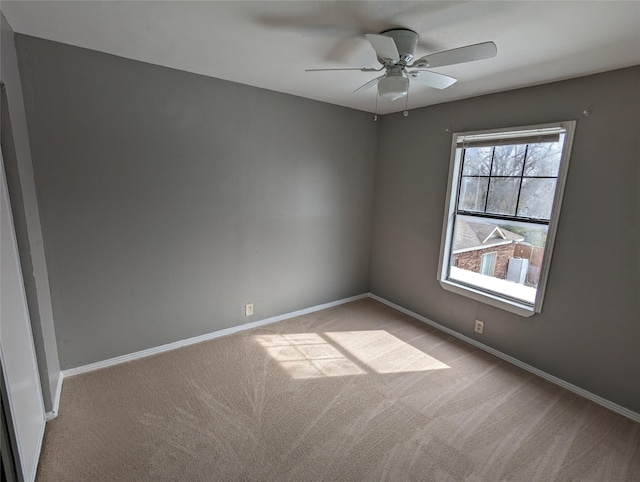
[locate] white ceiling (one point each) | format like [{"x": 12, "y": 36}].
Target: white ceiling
[{"x": 269, "y": 44}]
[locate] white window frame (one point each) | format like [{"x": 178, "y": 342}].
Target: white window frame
[{"x": 494, "y": 299}]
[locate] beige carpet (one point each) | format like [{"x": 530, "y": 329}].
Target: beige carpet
[{"x": 356, "y": 392}]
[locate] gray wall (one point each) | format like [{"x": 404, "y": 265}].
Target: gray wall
[
  {"x": 19, "y": 170},
  {"x": 169, "y": 200},
  {"x": 589, "y": 331}
]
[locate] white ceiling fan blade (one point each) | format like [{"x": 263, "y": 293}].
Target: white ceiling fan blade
[
  {"x": 384, "y": 46},
  {"x": 361, "y": 69},
  {"x": 369, "y": 84},
  {"x": 485, "y": 50},
  {"x": 432, "y": 79}
]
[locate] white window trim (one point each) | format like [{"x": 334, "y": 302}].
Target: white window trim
[{"x": 496, "y": 300}]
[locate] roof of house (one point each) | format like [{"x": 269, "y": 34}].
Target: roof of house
[{"x": 478, "y": 235}]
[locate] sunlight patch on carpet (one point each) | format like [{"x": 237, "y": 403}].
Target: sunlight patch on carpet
[
  {"x": 384, "y": 353},
  {"x": 345, "y": 353},
  {"x": 308, "y": 355}
]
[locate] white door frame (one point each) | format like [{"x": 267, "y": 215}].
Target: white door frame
[{"x": 17, "y": 353}]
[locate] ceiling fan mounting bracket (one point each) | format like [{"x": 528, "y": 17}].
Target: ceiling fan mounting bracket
[{"x": 406, "y": 41}]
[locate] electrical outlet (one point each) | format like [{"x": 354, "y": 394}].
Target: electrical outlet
[
  {"x": 248, "y": 309},
  {"x": 479, "y": 327}
]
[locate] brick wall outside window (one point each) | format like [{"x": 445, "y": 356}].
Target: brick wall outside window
[{"x": 470, "y": 260}]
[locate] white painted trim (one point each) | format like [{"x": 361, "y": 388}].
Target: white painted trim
[
  {"x": 209, "y": 336},
  {"x": 227, "y": 331},
  {"x": 553, "y": 379},
  {"x": 37, "y": 455},
  {"x": 570, "y": 129},
  {"x": 20, "y": 312},
  {"x": 56, "y": 399},
  {"x": 488, "y": 298},
  {"x": 450, "y": 213}
]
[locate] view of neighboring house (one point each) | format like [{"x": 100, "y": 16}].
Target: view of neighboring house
[{"x": 487, "y": 249}]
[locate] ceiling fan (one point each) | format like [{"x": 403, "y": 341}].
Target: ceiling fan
[{"x": 395, "y": 49}]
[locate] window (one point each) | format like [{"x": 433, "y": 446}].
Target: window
[
  {"x": 488, "y": 264},
  {"x": 502, "y": 210}
]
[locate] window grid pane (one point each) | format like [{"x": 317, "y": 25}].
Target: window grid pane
[
  {"x": 537, "y": 197},
  {"x": 508, "y": 160},
  {"x": 502, "y": 197},
  {"x": 543, "y": 160},
  {"x": 493, "y": 179},
  {"x": 477, "y": 161},
  {"x": 473, "y": 194}
]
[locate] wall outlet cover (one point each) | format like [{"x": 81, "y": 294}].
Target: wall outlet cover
[{"x": 479, "y": 327}]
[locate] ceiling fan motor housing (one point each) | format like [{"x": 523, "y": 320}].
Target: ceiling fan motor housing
[{"x": 406, "y": 41}]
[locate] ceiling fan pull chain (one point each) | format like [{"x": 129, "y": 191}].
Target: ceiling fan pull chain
[
  {"x": 375, "y": 115},
  {"x": 406, "y": 104}
]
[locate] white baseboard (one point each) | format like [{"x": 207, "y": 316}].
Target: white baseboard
[
  {"x": 208, "y": 336},
  {"x": 247, "y": 326},
  {"x": 553, "y": 379},
  {"x": 56, "y": 399}
]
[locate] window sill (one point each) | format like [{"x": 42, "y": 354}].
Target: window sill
[{"x": 520, "y": 309}]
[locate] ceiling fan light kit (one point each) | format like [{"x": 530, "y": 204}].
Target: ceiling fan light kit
[
  {"x": 393, "y": 87},
  {"x": 395, "y": 50}
]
